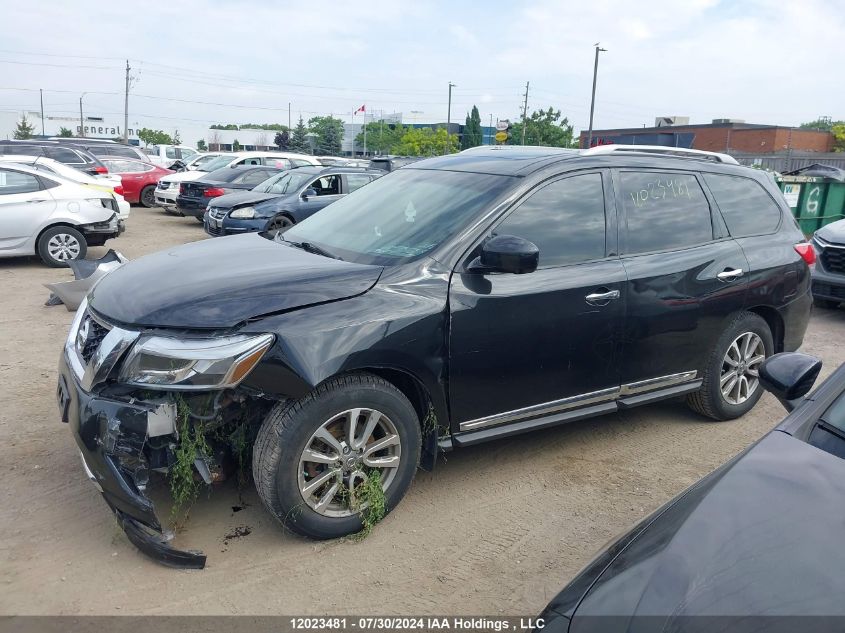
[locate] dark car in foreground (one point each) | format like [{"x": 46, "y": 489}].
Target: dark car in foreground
[
  {"x": 758, "y": 539},
  {"x": 283, "y": 199},
  {"x": 829, "y": 273},
  {"x": 456, "y": 300},
  {"x": 195, "y": 195}
]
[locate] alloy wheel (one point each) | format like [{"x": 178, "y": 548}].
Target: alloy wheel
[
  {"x": 740, "y": 375},
  {"x": 341, "y": 454},
  {"x": 63, "y": 247}
]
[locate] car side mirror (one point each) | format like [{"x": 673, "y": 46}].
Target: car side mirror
[
  {"x": 507, "y": 254},
  {"x": 309, "y": 193},
  {"x": 789, "y": 376}
]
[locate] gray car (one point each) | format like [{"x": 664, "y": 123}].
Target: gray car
[{"x": 829, "y": 272}]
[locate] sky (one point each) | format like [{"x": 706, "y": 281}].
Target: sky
[{"x": 199, "y": 62}]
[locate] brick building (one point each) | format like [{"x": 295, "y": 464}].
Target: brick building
[{"x": 719, "y": 136}]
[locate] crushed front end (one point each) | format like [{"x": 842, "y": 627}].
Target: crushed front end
[{"x": 128, "y": 426}]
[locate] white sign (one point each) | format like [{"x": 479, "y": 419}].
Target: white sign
[
  {"x": 791, "y": 193},
  {"x": 502, "y": 125}
]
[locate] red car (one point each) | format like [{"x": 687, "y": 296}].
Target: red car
[{"x": 139, "y": 178}]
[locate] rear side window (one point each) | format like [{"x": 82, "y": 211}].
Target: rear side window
[
  {"x": 664, "y": 211},
  {"x": 17, "y": 182},
  {"x": 63, "y": 155},
  {"x": 356, "y": 181},
  {"x": 565, "y": 219},
  {"x": 745, "y": 205},
  {"x": 113, "y": 150},
  {"x": 21, "y": 150}
]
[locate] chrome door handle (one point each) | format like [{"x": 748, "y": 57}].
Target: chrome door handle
[
  {"x": 730, "y": 275},
  {"x": 602, "y": 296}
]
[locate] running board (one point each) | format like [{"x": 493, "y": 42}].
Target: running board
[{"x": 467, "y": 438}]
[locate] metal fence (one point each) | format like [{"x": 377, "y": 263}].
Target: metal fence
[{"x": 787, "y": 161}]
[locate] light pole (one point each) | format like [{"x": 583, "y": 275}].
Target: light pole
[
  {"x": 593, "y": 99},
  {"x": 448, "y": 117},
  {"x": 81, "y": 120}
]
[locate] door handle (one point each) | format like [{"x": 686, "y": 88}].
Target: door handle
[
  {"x": 597, "y": 298},
  {"x": 730, "y": 275},
  {"x": 33, "y": 201}
]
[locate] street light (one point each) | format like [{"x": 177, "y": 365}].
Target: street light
[
  {"x": 593, "y": 99},
  {"x": 81, "y": 120}
]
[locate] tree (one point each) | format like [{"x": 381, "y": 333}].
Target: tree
[
  {"x": 282, "y": 140},
  {"x": 65, "y": 132},
  {"x": 427, "y": 142},
  {"x": 23, "y": 130},
  {"x": 298, "y": 140},
  {"x": 201, "y": 146},
  {"x": 236, "y": 147},
  {"x": 177, "y": 140},
  {"x": 382, "y": 137},
  {"x": 227, "y": 126},
  {"x": 543, "y": 127},
  {"x": 156, "y": 137},
  {"x": 824, "y": 123},
  {"x": 329, "y": 132},
  {"x": 838, "y": 131},
  {"x": 473, "y": 134}
]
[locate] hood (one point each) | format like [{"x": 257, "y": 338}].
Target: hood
[
  {"x": 183, "y": 176},
  {"x": 219, "y": 283},
  {"x": 239, "y": 198},
  {"x": 833, "y": 232},
  {"x": 762, "y": 535}
]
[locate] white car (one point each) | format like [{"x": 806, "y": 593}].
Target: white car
[
  {"x": 168, "y": 187},
  {"x": 47, "y": 215},
  {"x": 110, "y": 183},
  {"x": 166, "y": 155},
  {"x": 201, "y": 159}
]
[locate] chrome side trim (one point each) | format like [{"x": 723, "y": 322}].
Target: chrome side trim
[
  {"x": 592, "y": 397},
  {"x": 657, "y": 383},
  {"x": 111, "y": 349}
]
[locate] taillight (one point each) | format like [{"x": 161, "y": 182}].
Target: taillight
[
  {"x": 119, "y": 190},
  {"x": 807, "y": 252},
  {"x": 100, "y": 169},
  {"x": 213, "y": 192}
]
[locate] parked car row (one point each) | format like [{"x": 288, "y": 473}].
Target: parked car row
[{"x": 447, "y": 303}]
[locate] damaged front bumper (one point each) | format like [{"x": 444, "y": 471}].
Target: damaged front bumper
[{"x": 111, "y": 435}]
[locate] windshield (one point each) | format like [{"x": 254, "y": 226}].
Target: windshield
[
  {"x": 286, "y": 182},
  {"x": 221, "y": 161},
  {"x": 400, "y": 216}
]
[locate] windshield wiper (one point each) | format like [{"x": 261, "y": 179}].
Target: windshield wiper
[{"x": 312, "y": 248}]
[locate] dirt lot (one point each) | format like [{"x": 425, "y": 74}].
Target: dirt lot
[{"x": 497, "y": 528}]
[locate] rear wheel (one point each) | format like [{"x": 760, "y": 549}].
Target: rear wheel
[
  {"x": 279, "y": 224},
  {"x": 148, "y": 196},
  {"x": 731, "y": 382},
  {"x": 60, "y": 244},
  {"x": 316, "y": 461}
]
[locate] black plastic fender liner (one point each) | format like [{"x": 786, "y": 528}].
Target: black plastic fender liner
[{"x": 156, "y": 547}]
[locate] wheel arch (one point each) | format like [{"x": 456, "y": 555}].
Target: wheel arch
[{"x": 775, "y": 322}]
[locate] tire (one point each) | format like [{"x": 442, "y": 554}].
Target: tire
[
  {"x": 710, "y": 399},
  {"x": 281, "y": 470},
  {"x": 59, "y": 244},
  {"x": 826, "y": 304},
  {"x": 279, "y": 224},
  {"x": 148, "y": 196}
]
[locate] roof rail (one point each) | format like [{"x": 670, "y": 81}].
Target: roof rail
[{"x": 660, "y": 149}]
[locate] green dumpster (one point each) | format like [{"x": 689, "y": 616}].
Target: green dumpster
[{"x": 814, "y": 201}]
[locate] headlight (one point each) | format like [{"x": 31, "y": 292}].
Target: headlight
[
  {"x": 244, "y": 213},
  {"x": 158, "y": 362}
]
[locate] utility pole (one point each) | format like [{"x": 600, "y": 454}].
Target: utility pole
[
  {"x": 448, "y": 117},
  {"x": 288, "y": 117},
  {"x": 81, "y": 121},
  {"x": 490, "y": 133},
  {"x": 525, "y": 113},
  {"x": 42, "y": 111},
  {"x": 126, "y": 108},
  {"x": 593, "y": 99}
]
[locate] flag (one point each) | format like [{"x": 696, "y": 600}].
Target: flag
[{"x": 363, "y": 108}]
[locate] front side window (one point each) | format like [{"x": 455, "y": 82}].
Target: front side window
[
  {"x": 745, "y": 205},
  {"x": 327, "y": 186},
  {"x": 664, "y": 211},
  {"x": 401, "y": 216},
  {"x": 67, "y": 156},
  {"x": 21, "y": 150},
  {"x": 12, "y": 182},
  {"x": 170, "y": 152},
  {"x": 565, "y": 219}
]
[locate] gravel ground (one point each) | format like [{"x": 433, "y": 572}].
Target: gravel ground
[{"x": 498, "y": 528}]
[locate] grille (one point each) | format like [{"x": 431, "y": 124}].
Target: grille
[
  {"x": 217, "y": 232},
  {"x": 833, "y": 260},
  {"x": 827, "y": 290},
  {"x": 218, "y": 213},
  {"x": 96, "y": 333}
]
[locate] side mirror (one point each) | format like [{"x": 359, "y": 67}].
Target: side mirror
[
  {"x": 309, "y": 193},
  {"x": 507, "y": 254},
  {"x": 789, "y": 376}
]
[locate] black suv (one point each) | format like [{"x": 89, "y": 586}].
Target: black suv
[
  {"x": 456, "y": 300},
  {"x": 67, "y": 153}
]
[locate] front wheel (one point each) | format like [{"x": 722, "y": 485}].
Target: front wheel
[
  {"x": 279, "y": 224},
  {"x": 316, "y": 461},
  {"x": 731, "y": 383},
  {"x": 60, "y": 244}
]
